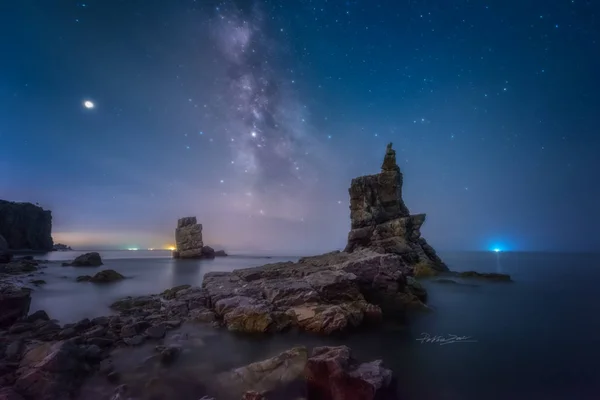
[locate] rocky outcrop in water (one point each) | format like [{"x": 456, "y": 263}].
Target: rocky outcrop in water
[
  {"x": 92, "y": 259},
  {"x": 105, "y": 276},
  {"x": 324, "y": 294},
  {"x": 25, "y": 226},
  {"x": 188, "y": 239},
  {"x": 61, "y": 247},
  {"x": 380, "y": 220}
]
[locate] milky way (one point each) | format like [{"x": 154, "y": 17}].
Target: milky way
[{"x": 275, "y": 152}]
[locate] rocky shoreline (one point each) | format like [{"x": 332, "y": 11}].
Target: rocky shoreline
[
  {"x": 41, "y": 359},
  {"x": 373, "y": 279},
  {"x": 326, "y": 294}
]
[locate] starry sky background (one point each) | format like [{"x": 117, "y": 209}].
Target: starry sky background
[{"x": 255, "y": 116}]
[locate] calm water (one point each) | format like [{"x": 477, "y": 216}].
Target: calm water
[{"x": 535, "y": 338}]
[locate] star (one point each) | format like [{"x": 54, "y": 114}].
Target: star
[{"x": 89, "y": 104}]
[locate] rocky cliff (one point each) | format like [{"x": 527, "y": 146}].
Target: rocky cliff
[
  {"x": 25, "y": 226},
  {"x": 380, "y": 220}
]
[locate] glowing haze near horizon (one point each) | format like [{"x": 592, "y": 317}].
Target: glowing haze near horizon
[{"x": 254, "y": 116}]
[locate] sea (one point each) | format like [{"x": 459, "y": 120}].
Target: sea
[{"x": 535, "y": 338}]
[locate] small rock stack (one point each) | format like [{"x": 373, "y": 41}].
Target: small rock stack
[
  {"x": 188, "y": 238},
  {"x": 381, "y": 221}
]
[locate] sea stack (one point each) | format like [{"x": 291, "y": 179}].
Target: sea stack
[
  {"x": 380, "y": 221},
  {"x": 25, "y": 226},
  {"x": 188, "y": 239}
]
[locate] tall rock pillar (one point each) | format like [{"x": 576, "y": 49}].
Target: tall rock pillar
[{"x": 380, "y": 220}]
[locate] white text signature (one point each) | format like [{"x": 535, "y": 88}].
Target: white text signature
[{"x": 445, "y": 339}]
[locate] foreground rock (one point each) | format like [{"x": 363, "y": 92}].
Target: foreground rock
[
  {"x": 105, "y": 276},
  {"x": 188, "y": 238},
  {"x": 332, "y": 374},
  {"x": 50, "y": 371},
  {"x": 86, "y": 260},
  {"x": 324, "y": 294},
  {"x": 14, "y": 303},
  {"x": 265, "y": 376},
  {"x": 381, "y": 221}
]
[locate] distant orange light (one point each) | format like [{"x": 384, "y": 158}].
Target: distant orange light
[{"x": 171, "y": 248}]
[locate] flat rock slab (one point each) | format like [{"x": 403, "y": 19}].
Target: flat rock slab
[{"x": 322, "y": 294}]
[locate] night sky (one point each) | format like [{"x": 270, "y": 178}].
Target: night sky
[{"x": 255, "y": 116}]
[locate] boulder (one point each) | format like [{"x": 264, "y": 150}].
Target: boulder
[
  {"x": 381, "y": 221},
  {"x": 104, "y": 276},
  {"x": 332, "y": 374},
  {"x": 208, "y": 252},
  {"x": 25, "y": 226},
  {"x": 50, "y": 370},
  {"x": 188, "y": 238},
  {"x": 14, "y": 304},
  {"x": 37, "y": 316},
  {"x": 220, "y": 253},
  {"x": 264, "y": 376},
  {"x": 86, "y": 260}
]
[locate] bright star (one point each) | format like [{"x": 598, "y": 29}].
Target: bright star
[{"x": 88, "y": 104}]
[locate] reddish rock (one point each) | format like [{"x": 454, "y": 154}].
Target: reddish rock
[
  {"x": 50, "y": 371},
  {"x": 332, "y": 374},
  {"x": 252, "y": 395}
]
